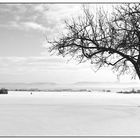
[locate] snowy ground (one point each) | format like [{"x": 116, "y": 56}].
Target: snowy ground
[{"x": 69, "y": 114}]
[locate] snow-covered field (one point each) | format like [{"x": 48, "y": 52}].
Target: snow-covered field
[{"x": 69, "y": 114}]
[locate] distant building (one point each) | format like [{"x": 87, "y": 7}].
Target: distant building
[{"x": 3, "y": 91}]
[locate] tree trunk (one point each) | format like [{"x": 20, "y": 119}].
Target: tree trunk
[{"x": 137, "y": 68}]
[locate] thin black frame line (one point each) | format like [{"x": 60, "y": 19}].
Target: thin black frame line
[{"x": 68, "y": 136}]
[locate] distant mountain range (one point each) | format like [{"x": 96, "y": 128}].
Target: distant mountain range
[
  {"x": 97, "y": 82},
  {"x": 78, "y": 85}
]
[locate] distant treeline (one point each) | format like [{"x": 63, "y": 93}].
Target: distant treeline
[
  {"x": 60, "y": 90},
  {"x": 54, "y": 90},
  {"x": 3, "y": 91},
  {"x": 129, "y": 92}
]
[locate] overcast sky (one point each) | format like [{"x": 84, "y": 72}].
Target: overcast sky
[{"x": 23, "y": 49}]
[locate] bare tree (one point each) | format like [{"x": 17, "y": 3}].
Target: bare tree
[{"x": 105, "y": 41}]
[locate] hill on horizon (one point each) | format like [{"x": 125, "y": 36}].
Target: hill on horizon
[{"x": 77, "y": 85}]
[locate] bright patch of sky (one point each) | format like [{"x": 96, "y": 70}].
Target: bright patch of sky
[{"x": 23, "y": 51}]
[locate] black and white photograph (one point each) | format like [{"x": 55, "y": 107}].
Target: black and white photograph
[{"x": 69, "y": 69}]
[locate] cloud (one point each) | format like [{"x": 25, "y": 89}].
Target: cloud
[
  {"x": 27, "y": 26},
  {"x": 40, "y": 17},
  {"x": 41, "y": 8},
  {"x": 21, "y": 65},
  {"x": 23, "y": 16},
  {"x": 33, "y": 25}
]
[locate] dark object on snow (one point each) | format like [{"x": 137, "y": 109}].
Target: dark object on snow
[{"x": 3, "y": 91}]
